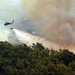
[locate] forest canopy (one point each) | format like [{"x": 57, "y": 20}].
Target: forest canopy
[{"x": 35, "y": 60}]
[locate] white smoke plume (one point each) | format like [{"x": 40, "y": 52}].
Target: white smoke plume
[{"x": 29, "y": 39}]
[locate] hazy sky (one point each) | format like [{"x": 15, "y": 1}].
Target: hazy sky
[
  {"x": 13, "y": 10},
  {"x": 9, "y": 10}
]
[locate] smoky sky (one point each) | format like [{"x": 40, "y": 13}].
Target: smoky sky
[{"x": 55, "y": 19}]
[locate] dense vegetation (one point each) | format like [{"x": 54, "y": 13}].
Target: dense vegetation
[{"x": 24, "y": 60}]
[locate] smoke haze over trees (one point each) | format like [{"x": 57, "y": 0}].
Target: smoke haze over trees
[{"x": 21, "y": 59}]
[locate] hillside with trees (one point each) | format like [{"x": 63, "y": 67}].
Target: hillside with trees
[{"x": 35, "y": 60}]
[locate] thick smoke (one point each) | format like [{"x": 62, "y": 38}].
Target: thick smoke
[{"x": 55, "y": 20}]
